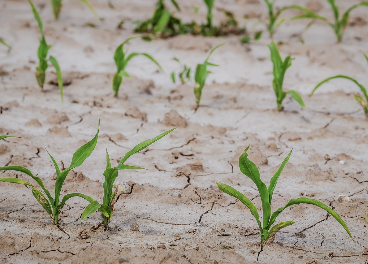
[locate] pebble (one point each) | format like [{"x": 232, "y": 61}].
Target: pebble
[
  {"x": 342, "y": 162},
  {"x": 343, "y": 199},
  {"x": 123, "y": 259}
]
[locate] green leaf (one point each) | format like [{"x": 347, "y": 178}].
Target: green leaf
[
  {"x": 173, "y": 77},
  {"x": 29, "y": 173},
  {"x": 84, "y": 151},
  {"x": 90, "y": 7},
  {"x": 143, "y": 145},
  {"x": 15, "y": 180},
  {"x": 123, "y": 73},
  {"x": 304, "y": 200},
  {"x": 296, "y": 96},
  {"x": 55, "y": 63},
  {"x": 37, "y": 17},
  {"x": 362, "y": 88},
  {"x": 258, "y": 35},
  {"x": 127, "y": 167},
  {"x": 162, "y": 22},
  {"x": 90, "y": 209},
  {"x": 5, "y": 44},
  {"x": 213, "y": 50},
  {"x": 176, "y": 5},
  {"x": 248, "y": 168},
  {"x": 108, "y": 162},
  {"x": 5, "y": 136},
  {"x": 42, "y": 200},
  {"x": 71, "y": 195},
  {"x": 276, "y": 176},
  {"x": 238, "y": 195},
  {"x": 278, "y": 227}
]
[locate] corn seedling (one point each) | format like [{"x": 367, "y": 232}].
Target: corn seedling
[
  {"x": 163, "y": 21},
  {"x": 279, "y": 70},
  {"x": 121, "y": 61},
  {"x": 5, "y": 44},
  {"x": 201, "y": 74},
  {"x": 52, "y": 205},
  {"x": 111, "y": 173},
  {"x": 363, "y": 101},
  {"x": 43, "y": 49},
  {"x": 266, "y": 228},
  {"x": 57, "y": 4},
  {"x": 210, "y": 4},
  {"x": 340, "y": 22},
  {"x": 184, "y": 74},
  {"x": 273, "y": 16}
]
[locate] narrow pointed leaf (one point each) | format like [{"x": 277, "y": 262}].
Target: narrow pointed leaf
[
  {"x": 278, "y": 227},
  {"x": 248, "y": 168},
  {"x": 213, "y": 50},
  {"x": 90, "y": 209},
  {"x": 108, "y": 162},
  {"x": 15, "y": 180},
  {"x": 5, "y": 44},
  {"x": 127, "y": 167},
  {"x": 37, "y": 17},
  {"x": 55, "y": 63},
  {"x": 241, "y": 197},
  {"x": 42, "y": 200},
  {"x": 304, "y": 200},
  {"x": 144, "y": 145},
  {"x": 29, "y": 173},
  {"x": 5, "y": 136},
  {"x": 296, "y": 96},
  {"x": 276, "y": 176},
  {"x": 90, "y": 7},
  {"x": 84, "y": 151}
]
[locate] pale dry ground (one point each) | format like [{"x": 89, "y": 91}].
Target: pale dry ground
[{"x": 181, "y": 214}]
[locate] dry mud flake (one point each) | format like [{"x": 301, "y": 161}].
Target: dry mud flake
[
  {"x": 173, "y": 119},
  {"x": 136, "y": 113},
  {"x": 57, "y": 118},
  {"x": 58, "y": 131}
]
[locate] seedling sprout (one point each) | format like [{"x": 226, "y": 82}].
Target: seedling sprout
[
  {"x": 340, "y": 23},
  {"x": 184, "y": 74},
  {"x": 279, "y": 70},
  {"x": 266, "y": 227},
  {"x": 111, "y": 173},
  {"x": 121, "y": 61},
  {"x": 201, "y": 74},
  {"x": 43, "y": 49},
  {"x": 52, "y": 205},
  {"x": 5, "y": 44}
]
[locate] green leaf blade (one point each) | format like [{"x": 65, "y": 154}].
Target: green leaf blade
[
  {"x": 241, "y": 197},
  {"x": 15, "y": 180},
  {"x": 42, "y": 201},
  {"x": 55, "y": 63},
  {"x": 90, "y": 209},
  {"x": 296, "y": 96}
]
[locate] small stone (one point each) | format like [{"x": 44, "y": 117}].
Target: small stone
[
  {"x": 134, "y": 227},
  {"x": 123, "y": 259},
  {"x": 342, "y": 162},
  {"x": 83, "y": 234},
  {"x": 122, "y": 188},
  {"x": 327, "y": 157},
  {"x": 343, "y": 199}
]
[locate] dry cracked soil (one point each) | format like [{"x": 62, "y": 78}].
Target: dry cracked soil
[{"x": 175, "y": 212}]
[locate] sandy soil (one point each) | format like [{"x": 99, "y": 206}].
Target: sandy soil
[{"x": 175, "y": 213}]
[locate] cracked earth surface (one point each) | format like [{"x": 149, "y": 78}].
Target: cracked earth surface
[{"x": 175, "y": 213}]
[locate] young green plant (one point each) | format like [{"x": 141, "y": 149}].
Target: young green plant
[
  {"x": 162, "y": 21},
  {"x": 53, "y": 205},
  {"x": 57, "y": 5},
  {"x": 279, "y": 70},
  {"x": 273, "y": 16},
  {"x": 43, "y": 50},
  {"x": 266, "y": 227},
  {"x": 340, "y": 22},
  {"x": 111, "y": 195},
  {"x": 184, "y": 74},
  {"x": 122, "y": 59},
  {"x": 363, "y": 101},
  {"x": 201, "y": 74}
]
